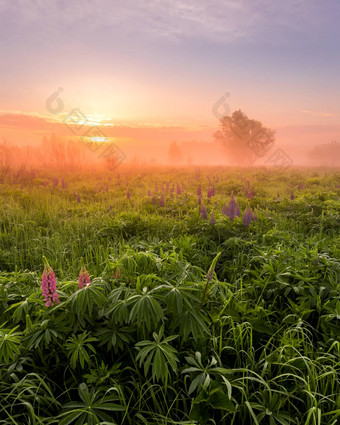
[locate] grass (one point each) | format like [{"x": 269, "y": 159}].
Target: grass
[{"x": 175, "y": 338}]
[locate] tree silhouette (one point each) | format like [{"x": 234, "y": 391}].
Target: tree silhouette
[
  {"x": 175, "y": 153},
  {"x": 244, "y": 139}
]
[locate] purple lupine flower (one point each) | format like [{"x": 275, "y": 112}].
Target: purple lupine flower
[
  {"x": 199, "y": 190},
  {"x": 179, "y": 191},
  {"x": 300, "y": 186},
  {"x": 199, "y": 200},
  {"x": 209, "y": 194},
  {"x": 84, "y": 278},
  {"x": 237, "y": 210},
  {"x": 49, "y": 285},
  {"x": 204, "y": 213},
  {"x": 212, "y": 219},
  {"x": 149, "y": 193},
  {"x": 161, "y": 201},
  {"x": 224, "y": 209},
  {"x": 78, "y": 199},
  {"x": 278, "y": 195},
  {"x": 247, "y": 216},
  {"x": 213, "y": 191},
  {"x": 128, "y": 195},
  {"x": 232, "y": 207},
  {"x": 292, "y": 196}
]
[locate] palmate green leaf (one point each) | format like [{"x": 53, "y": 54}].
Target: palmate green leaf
[
  {"x": 77, "y": 347},
  {"x": 114, "y": 336},
  {"x": 146, "y": 309},
  {"x": 9, "y": 344},
  {"x": 158, "y": 353},
  {"x": 92, "y": 410},
  {"x": 84, "y": 300},
  {"x": 192, "y": 322},
  {"x": 22, "y": 308}
]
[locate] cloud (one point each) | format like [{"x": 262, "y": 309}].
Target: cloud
[
  {"x": 318, "y": 114},
  {"x": 217, "y": 20}
]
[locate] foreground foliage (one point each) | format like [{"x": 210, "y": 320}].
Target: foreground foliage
[{"x": 183, "y": 321}]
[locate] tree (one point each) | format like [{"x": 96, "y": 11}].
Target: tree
[
  {"x": 175, "y": 154},
  {"x": 244, "y": 139}
]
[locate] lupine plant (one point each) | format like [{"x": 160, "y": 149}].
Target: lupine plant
[{"x": 181, "y": 322}]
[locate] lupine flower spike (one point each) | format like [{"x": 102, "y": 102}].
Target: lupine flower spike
[
  {"x": 212, "y": 219},
  {"x": 49, "y": 285},
  {"x": 232, "y": 207},
  {"x": 204, "y": 213},
  {"x": 247, "y": 216},
  {"x": 84, "y": 277}
]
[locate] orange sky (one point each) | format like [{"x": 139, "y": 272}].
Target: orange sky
[{"x": 152, "y": 71}]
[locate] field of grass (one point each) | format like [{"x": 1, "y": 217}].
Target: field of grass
[{"x": 187, "y": 319}]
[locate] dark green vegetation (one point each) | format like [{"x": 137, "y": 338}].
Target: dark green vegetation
[{"x": 162, "y": 344}]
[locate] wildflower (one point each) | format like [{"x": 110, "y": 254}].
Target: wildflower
[
  {"x": 49, "y": 285},
  {"x": 232, "y": 207},
  {"x": 204, "y": 213},
  {"x": 212, "y": 219},
  {"x": 254, "y": 218},
  {"x": 199, "y": 200},
  {"x": 78, "y": 198},
  {"x": 84, "y": 278},
  {"x": 118, "y": 275},
  {"x": 199, "y": 190},
  {"x": 149, "y": 193},
  {"x": 128, "y": 196},
  {"x": 224, "y": 209},
  {"x": 292, "y": 196},
  {"x": 161, "y": 201},
  {"x": 247, "y": 216},
  {"x": 237, "y": 209},
  {"x": 179, "y": 191}
]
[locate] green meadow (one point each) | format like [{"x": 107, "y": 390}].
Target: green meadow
[{"x": 194, "y": 314}]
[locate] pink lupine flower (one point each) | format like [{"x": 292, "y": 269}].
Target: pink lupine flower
[
  {"x": 84, "y": 278},
  {"x": 292, "y": 196},
  {"x": 114, "y": 276},
  {"x": 49, "y": 285}
]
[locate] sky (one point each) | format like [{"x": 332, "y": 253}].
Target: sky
[{"x": 155, "y": 70}]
